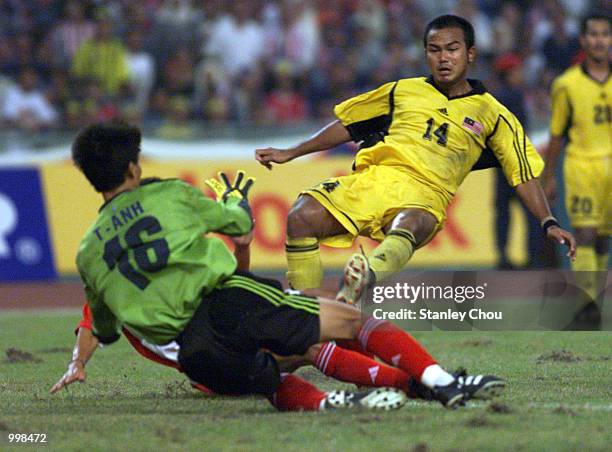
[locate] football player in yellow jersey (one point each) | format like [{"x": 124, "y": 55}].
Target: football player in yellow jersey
[
  {"x": 420, "y": 137},
  {"x": 582, "y": 110}
]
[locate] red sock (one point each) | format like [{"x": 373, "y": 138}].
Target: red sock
[
  {"x": 353, "y": 367},
  {"x": 394, "y": 346},
  {"x": 352, "y": 344},
  {"x": 295, "y": 394}
]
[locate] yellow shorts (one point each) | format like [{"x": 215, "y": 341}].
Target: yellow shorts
[
  {"x": 588, "y": 192},
  {"x": 366, "y": 201}
]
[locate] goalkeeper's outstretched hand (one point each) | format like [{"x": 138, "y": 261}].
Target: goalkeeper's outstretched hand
[{"x": 223, "y": 188}]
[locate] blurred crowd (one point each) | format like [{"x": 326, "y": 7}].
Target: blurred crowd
[{"x": 177, "y": 66}]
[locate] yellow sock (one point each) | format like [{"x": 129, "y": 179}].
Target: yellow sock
[
  {"x": 586, "y": 265},
  {"x": 392, "y": 254},
  {"x": 303, "y": 263}
]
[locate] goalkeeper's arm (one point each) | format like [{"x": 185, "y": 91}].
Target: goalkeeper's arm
[{"x": 233, "y": 198}]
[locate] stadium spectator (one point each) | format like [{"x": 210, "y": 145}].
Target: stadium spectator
[
  {"x": 141, "y": 68},
  {"x": 103, "y": 58},
  {"x": 177, "y": 126},
  {"x": 177, "y": 75},
  {"x": 284, "y": 104},
  {"x": 507, "y": 29},
  {"x": 176, "y": 25},
  {"x": 68, "y": 35},
  {"x": 25, "y": 106},
  {"x": 88, "y": 104},
  {"x": 562, "y": 44},
  {"x": 247, "y": 95},
  {"x": 302, "y": 35},
  {"x": 22, "y": 53},
  {"x": 237, "y": 40},
  {"x": 212, "y": 91}
]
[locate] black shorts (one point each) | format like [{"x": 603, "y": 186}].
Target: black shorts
[{"x": 221, "y": 347}]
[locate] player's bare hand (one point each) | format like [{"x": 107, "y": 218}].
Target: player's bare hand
[
  {"x": 550, "y": 189},
  {"x": 75, "y": 372},
  {"x": 268, "y": 156},
  {"x": 243, "y": 241},
  {"x": 564, "y": 238}
]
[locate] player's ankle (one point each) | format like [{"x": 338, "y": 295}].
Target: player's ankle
[{"x": 434, "y": 375}]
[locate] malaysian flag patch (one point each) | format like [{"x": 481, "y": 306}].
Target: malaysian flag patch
[{"x": 472, "y": 125}]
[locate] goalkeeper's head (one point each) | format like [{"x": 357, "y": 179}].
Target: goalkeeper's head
[{"x": 107, "y": 154}]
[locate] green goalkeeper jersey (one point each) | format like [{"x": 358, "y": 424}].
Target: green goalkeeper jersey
[{"x": 146, "y": 261}]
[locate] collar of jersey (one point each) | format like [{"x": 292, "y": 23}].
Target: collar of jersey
[
  {"x": 477, "y": 88},
  {"x": 144, "y": 181},
  {"x": 585, "y": 72},
  {"x": 108, "y": 201}
]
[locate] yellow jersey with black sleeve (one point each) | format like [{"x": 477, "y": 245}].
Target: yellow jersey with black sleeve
[
  {"x": 411, "y": 124},
  {"x": 417, "y": 146},
  {"x": 582, "y": 110}
]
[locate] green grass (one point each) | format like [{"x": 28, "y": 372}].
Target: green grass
[{"x": 130, "y": 403}]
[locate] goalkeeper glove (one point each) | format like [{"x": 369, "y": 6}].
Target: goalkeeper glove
[{"x": 224, "y": 189}]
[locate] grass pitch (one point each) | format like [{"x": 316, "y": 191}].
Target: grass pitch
[{"x": 559, "y": 398}]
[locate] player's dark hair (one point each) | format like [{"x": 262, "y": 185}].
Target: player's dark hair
[
  {"x": 584, "y": 24},
  {"x": 104, "y": 151},
  {"x": 451, "y": 21}
]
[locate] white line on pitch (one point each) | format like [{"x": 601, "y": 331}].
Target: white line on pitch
[{"x": 544, "y": 406}]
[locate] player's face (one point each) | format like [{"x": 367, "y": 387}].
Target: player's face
[
  {"x": 447, "y": 55},
  {"x": 597, "y": 40}
]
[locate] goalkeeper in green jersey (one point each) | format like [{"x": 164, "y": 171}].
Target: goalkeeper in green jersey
[{"x": 147, "y": 266}]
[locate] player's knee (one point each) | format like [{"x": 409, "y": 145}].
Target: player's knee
[
  {"x": 302, "y": 218},
  {"x": 352, "y": 324},
  {"x": 421, "y": 223},
  {"x": 311, "y": 354},
  {"x": 586, "y": 236}
]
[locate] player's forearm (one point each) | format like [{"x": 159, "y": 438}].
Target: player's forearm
[
  {"x": 328, "y": 137},
  {"x": 236, "y": 217},
  {"x": 552, "y": 156},
  {"x": 242, "y": 253},
  {"x": 85, "y": 346},
  {"x": 533, "y": 197}
]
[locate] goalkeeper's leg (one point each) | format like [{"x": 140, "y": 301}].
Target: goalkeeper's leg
[
  {"x": 296, "y": 394},
  {"x": 399, "y": 349}
]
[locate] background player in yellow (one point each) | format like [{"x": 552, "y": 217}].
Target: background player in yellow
[
  {"x": 582, "y": 110},
  {"x": 420, "y": 137}
]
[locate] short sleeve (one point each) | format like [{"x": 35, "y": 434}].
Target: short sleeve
[
  {"x": 516, "y": 154},
  {"x": 368, "y": 113}
]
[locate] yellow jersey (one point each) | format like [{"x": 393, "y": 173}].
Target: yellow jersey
[
  {"x": 582, "y": 109},
  {"x": 411, "y": 124}
]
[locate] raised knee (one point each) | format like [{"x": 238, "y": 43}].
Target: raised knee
[{"x": 302, "y": 218}]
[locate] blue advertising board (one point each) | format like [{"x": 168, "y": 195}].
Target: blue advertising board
[{"x": 25, "y": 251}]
